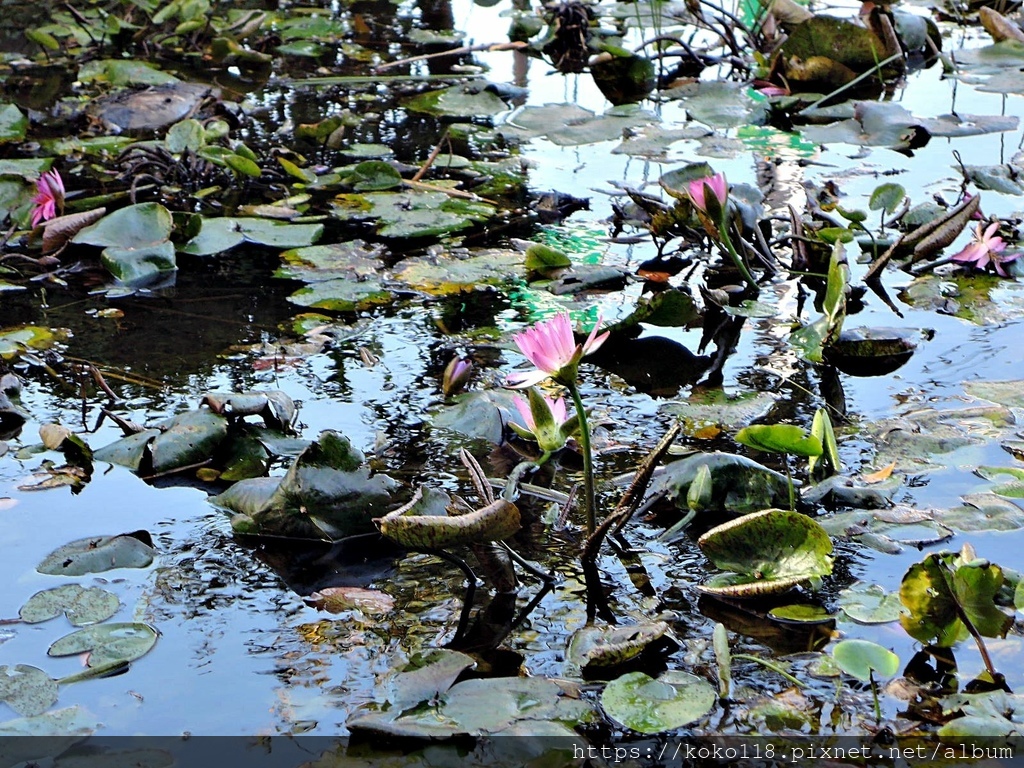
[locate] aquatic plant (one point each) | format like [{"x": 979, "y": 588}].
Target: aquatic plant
[
  {"x": 551, "y": 346},
  {"x": 984, "y": 249},
  {"x": 456, "y": 375},
  {"x": 50, "y": 199},
  {"x": 710, "y": 197},
  {"x": 544, "y": 421}
]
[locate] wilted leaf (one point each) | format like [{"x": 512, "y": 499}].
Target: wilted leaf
[{"x": 339, "y": 599}]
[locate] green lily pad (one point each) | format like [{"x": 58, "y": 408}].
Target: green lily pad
[
  {"x": 221, "y": 234},
  {"x": 13, "y": 124},
  {"x": 72, "y": 723},
  {"x": 136, "y": 242},
  {"x": 780, "y": 438},
  {"x": 427, "y": 676},
  {"x": 81, "y": 606},
  {"x": 457, "y": 101},
  {"x": 374, "y": 175},
  {"x": 107, "y": 643},
  {"x": 739, "y": 484},
  {"x": 97, "y": 554},
  {"x": 343, "y": 276},
  {"x": 1009, "y": 393},
  {"x": 937, "y": 589},
  {"x": 861, "y": 658},
  {"x": 421, "y": 214},
  {"x": 870, "y": 604},
  {"x": 186, "y": 439},
  {"x": 593, "y": 646},
  {"x": 477, "y": 708},
  {"x": 477, "y": 415},
  {"x": 328, "y": 492},
  {"x": 571, "y": 125},
  {"x": 14, "y": 341},
  {"x": 870, "y": 351},
  {"x": 27, "y": 690},
  {"x": 275, "y": 407},
  {"x": 766, "y": 550},
  {"x": 124, "y": 72},
  {"x": 444, "y": 276},
  {"x": 800, "y": 614},
  {"x": 129, "y": 451},
  {"x": 646, "y": 705},
  {"x": 983, "y": 512}
]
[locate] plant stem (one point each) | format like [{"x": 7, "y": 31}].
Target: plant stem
[
  {"x": 588, "y": 459},
  {"x": 737, "y": 260},
  {"x": 772, "y": 666},
  {"x": 789, "y": 477}
]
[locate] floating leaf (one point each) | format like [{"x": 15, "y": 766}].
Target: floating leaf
[
  {"x": 98, "y": 554},
  {"x": 870, "y": 604},
  {"x": 81, "y": 606},
  {"x": 738, "y": 483},
  {"x": 275, "y": 407},
  {"x": 221, "y": 234},
  {"x": 410, "y": 527},
  {"x": 768, "y": 551},
  {"x": 707, "y": 413},
  {"x": 983, "y": 512},
  {"x": 136, "y": 241},
  {"x": 339, "y": 599},
  {"x": 646, "y": 705},
  {"x": 870, "y": 351},
  {"x": 107, "y": 643},
  {"x": 457, "y": 101},
  {"x": 800, "y": 614},
  {"x": 887, "y": 197},
  {"x": 780, "y": 438},
  {"x": 29, "y": 691},
  {"x": 13, "y": 124},
  {"x": 427, "y": 676},
  {"x": 861, "y": 658},
  {"x": 935, "y": 592},
  {"x": 593, "y": 646},
  {"x": 444, "y": 276}
]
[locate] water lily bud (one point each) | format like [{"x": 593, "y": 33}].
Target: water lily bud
[{"x": 456, "y": 375}]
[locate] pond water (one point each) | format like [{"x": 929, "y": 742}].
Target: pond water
[{"x": 240, "y": 652}]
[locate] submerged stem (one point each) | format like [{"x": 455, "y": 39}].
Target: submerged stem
[{"x": 588, "y": 459}]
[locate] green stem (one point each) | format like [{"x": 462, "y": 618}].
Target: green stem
[
  {"x": 588, "y": 459},
  {"x": 737, "y": 260},
  {"x": 789, "y": 477}
]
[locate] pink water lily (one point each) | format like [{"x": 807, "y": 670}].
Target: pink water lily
[
  {"x": 551, "y": 346},
  {"x": 555, "y": 405},
  {"x": 984, "y": 249},
  {"x": 718, "y": 186},
  {"x": 50, "y": 198}
]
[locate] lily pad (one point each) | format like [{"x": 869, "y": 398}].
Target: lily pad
[
  {"x": 275, "y": 407},
  {"x": 221, "y": 234},
  {"x": 150, "y": 109},
  {"x": 477, "y": 415},
  {"x": 427, "y": 676},
  {"x": 136, "y": 242},
  {"x": 711, "y": 412},
  {"x": 983, "y": 512},
  {"x": 29, "y": 691},
  {"x": 800, "y": 614},
  {"x": 97, "y": 554},
  {"x": 107, "y": 643},
  {"x": 739, "y": 484},
  {"x": 14, "y": 341},
  {"x": 870, "y": 351},
  {"x": 418, "y": 524},
  {"x": 442, "y": 276},
  {"x": 328, "y": 492},
  {"x": 13, "y": 124},
  {"x": 1009, "y": 393},
  {"x": 870, "y": 604},
  {"x": 186, "y": 439},
  {"x": 780, "y": 438},
  {"x": 593, "y": 646},
  {"x": 769, "y": 551},
  {"x": 467, "y": 101},
  {"x": 477, "y": 708},
  {"x": 862, "y": 658},
  {"x": 943, "y": 586},
  {"x": 339, "y": 599},
  {"x": 82, "y": 606},
  {"x": 646, "y": 705}
]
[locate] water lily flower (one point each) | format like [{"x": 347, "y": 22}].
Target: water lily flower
[
  {"x": 456, "y": 375},
  {"x": 551, "y": 346},
  {"x": 718, "y": 186},
  {"x": 984, "y": 249},
  {"x": 544, "y": 420},
  {"x": 50, "y": 198},
  {"x": 770, "y": 89}
]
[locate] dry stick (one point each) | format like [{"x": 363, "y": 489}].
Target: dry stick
[
  {"x": 141, "y": 381},
  {"x": 515, "y": 46},
  {"x": 101, "y": 382},
  {"x": 432, "y": 156}
]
